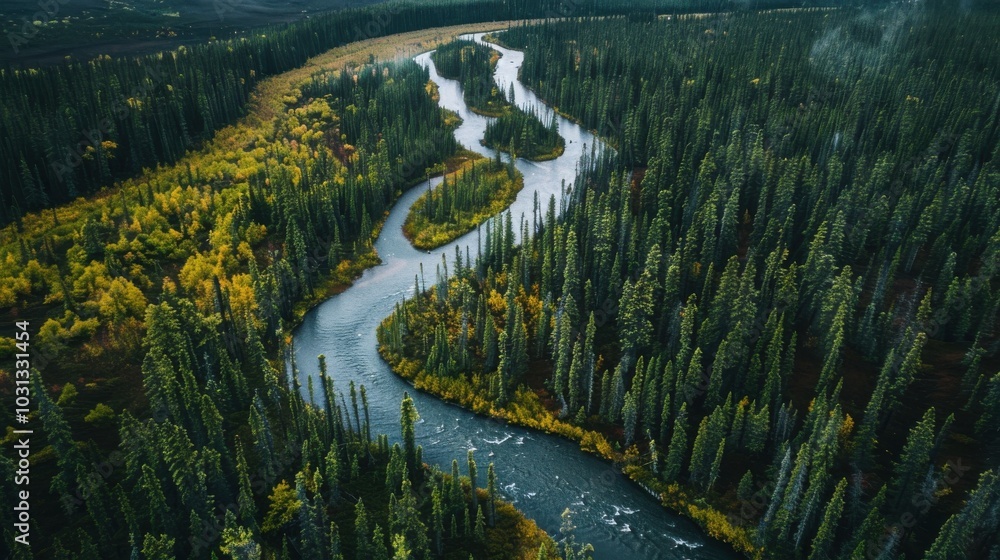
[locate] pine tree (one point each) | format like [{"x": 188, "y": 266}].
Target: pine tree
[
  {"x": 713, "y": 473},
  {"x": 480, "y": 531},
  {"x": 678, "y": 447},
  {"x": 637, "y": 306},
  {"x": 871, "y": 528},
  {"x": 247, "y": 507},
  {"x": 60, "y": 437},
  {"x": 437, "y": 515},
  {"x": 977, "y": 514},
  {"x": 630, "y": 412},
  {"x": 396, "y": 470},
  {"x": 491, "y": 489},
  {"x": 575, "y": 376},
  {"x": 158, "y": 547},
  {"x": 400, "y": 550},
  {"x": 334, "y": 543},
  {"x": 379, "y": 551},
  {"x": 914, "y": 460},
  {"x": 472, "y": 480},
  {"x": 744, "y": 490},
  {"x": 407, "y": 420},
  {"x": 362, "y": 533},
  {"x": 331, "y": 469},
  {"x": 589, "y": 364},
  {"x": 823, "y": 540}
]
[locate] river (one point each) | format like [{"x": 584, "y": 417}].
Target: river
[{"x": 541, "y": 474}]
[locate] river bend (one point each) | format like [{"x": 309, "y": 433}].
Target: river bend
[{"x": 542, "y": 474}]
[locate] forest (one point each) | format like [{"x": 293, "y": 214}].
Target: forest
[
  {"x": 465, "y": 198},
  {"x": 771, "y": 299},
  {"x": 70, "y": 128},
  {"x": 774, "y": 302},
  {"x": 171, "y": 428}
]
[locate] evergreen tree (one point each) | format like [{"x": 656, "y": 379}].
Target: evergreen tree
[
  {"x": 407, "y": 420},
  {"x": 491, "y": 488},
  {"x": 828, "y": 528},
  {"x": 678, "y": 447},
  {"x": 914, "y": 460}
]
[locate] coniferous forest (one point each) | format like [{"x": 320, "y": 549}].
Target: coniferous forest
[
  {"x": 777, "y": 296},
  {"x": 770, "y": 296},
  {"x": 69, "y": 129},
  {"x": 182, "y": 281},
  {"x": 472, "y": 65}
]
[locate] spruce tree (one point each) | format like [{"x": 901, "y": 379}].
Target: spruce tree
[
  {"x": 407, "y": 421},
  {"x": 823, "y": 541}
]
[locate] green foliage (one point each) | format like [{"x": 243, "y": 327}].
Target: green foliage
[
  {"x": 120, "y": 115},
  {"x": 759, "y": 248},
  {"x": 101, "y": 414},
  {"x": 408, "y": 418},
  {"x": 821, "y": 545},
  {"x": 186, "y": 279},
  {"x": 68, "y": 395},
  {"x": 158, "y": 547},
  {"x": 959, "y": 530},
  {"x": 523, "y": 134},
  {"x": 472, "y": 65},
  {"x": 464, "y": 199}
]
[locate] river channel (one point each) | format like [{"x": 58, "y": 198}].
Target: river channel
[{"x": 541, "y": 474}]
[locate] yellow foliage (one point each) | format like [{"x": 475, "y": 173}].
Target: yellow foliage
[
  {"x": 241, "y": 295},
  {"x": 845, "y": 429},
  {"x": 121, "y": 300},
  {"x": 284, "y": 506},
  {"x": 496, "y": 303}
]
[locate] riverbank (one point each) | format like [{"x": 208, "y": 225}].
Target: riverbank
[
  {"x": 527, "y": 409},
  {"x": 349, "y": 270},
  {"x": 497, "y": 39}
]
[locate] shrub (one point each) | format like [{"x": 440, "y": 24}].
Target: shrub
[
  {"x": 68, "y": 395},
  {"x": 101, "y": 414}
]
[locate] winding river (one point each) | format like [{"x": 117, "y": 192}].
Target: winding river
[{"x": 542, "y": 474}]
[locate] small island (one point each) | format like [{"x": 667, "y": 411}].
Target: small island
[
  {"x": 465, "y": 198},
  {"x": 472, "y": 64},
  {"x": 522, "y": 134},
  {"x": 515, "y": 131}
]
